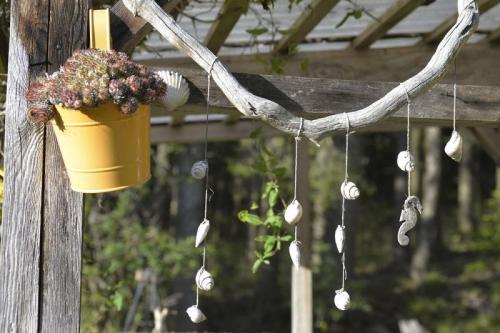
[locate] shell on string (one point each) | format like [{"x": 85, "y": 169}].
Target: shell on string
[
  {"x": 349, "y": 190},
  {"x": 195, "y": 314},
  {"x": 294, "y": 250},
  {"x": 199, "y": 169},
  {"x": 293, "y": 212},
  {"x": 177, "y": 90},
  {"x": 405, "y": 161},
  {"x": 340, "y": 238},
  {"x": 454, "y": 147},
  {"x": 342, "y": 299},
  {"x": 204, "y": 279},
  {"x": 202, "y": 232}
]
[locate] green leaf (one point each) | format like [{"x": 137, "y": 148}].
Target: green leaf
[
  {"x": 118, "y": 300},
  {"x": 256, "y": 133},
  {"x": 279, "y": 172},
  {"x": 270, "y": 185},
  {"x": 263, "y": 238},
  {"x": 254, "y": 206},
  {"x": 273, "y": 197},
  {"x": 257, "y": 31},
  {"x": 260, "y": 165},
  {"x": 275, "y": 221},
  {"x": 245, "y": 217},
  {"x": 256, "y": 265}
]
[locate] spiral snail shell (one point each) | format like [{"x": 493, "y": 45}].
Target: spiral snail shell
[
  {"x": 454, "y": 147},
  {"x": 199, "y": 169},
  {"x": 294, "y": 250},
  {"x": 202, "y": 232},
  {"x": 342, "y": 299},
  {"x": 293, "y": 212},
  {"x": 349, "y": 190},
  {"x": 204, "y": 279},
  {"x": 195, "y": 314},
  {"x": 340, "y": 238},
  {"x": 177, "y": 90},
  {"x": 405, "y": 161}
]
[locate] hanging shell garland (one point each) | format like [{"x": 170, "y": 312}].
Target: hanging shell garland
[
  {"x": 293, "y": 212},
  {"x": 294, "y": 250},
  {"x": 202, "y": 232},
  {"x": 342, "y": 300},
  {"x": 204, "y": 279},
  {"x": 454, "y": 147},
  {"x": 177, "y": 90},
  {"x": 340, "y": 238},
  {"x": 409, "y": 216},
  {"x": 405, "y": 161},
  {"x": 199, "y": 169},
  {"x": 195, "y": 314},
  {"x": 349, "y": 190}
]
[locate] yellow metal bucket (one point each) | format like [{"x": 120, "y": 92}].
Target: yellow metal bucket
[{"x": 103, "y": 149}]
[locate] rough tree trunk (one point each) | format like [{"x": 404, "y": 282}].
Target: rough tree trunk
[{"x": 430, "y": 189}]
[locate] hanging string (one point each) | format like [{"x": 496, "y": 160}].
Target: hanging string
[
  {"x": 207, "y": 187},
  {"x": 408, "y": 105},
  {"x": 455, "y": 96},
  {"x": 297, "y": 140},
  {"x": 346, "y": 177}
]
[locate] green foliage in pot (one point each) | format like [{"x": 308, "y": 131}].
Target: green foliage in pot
[{"x": 90, "y": 77}]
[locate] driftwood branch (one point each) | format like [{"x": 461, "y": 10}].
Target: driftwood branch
[{"x": 275, "y": 115}]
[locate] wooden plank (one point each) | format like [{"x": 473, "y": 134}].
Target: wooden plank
[
  {"x": 128, "y": 30},
  {"x": 494, "y": 36},
  {"x": 314, "y": 98},
  {"x": 394, "y": 14},
  {"x": 24, "y": 146},
  {"x": 226, "y": 20},
  {"x": 369, "y": 65},
  {"x": 302, "y": 283},
  {"x": 63, "y": 208},
  {"x": 438, "y": 33},
  {"x": 305, "y": 23}
]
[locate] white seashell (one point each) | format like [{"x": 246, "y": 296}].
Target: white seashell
[
  {"x": 454, "y": 147},
  {"x": 177, "y": 90},
  {"x": 293, "y": 212},
  {"x": 195, "y": 314},
  {"x": 204, "y": 279},
  {"x": 199, "y": 169},
  {"x": 294, "y": 250},
  {"x": 342, "y": 300},
  {"x": 340, "y": 238},
  {"x": 349, "y": 190},
  {"x": 202, "y": 232},
  {"x": 405, "y": 161}
]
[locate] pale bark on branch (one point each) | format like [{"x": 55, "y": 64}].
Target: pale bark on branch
[{"x": 275, "y": 115}]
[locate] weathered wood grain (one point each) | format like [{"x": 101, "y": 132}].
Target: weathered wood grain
[
  {"x": 226, "y": 20},
  {"x": 279, "y": 117},
  {"x": 305, "y": 23},
  {"x": 63, "y": 208},
  {"x": 127, "y": 30},
  {"x": 393, "y": 15},
  {"x": 314, "y": 98},
  {"x": 24, "y": 144}
]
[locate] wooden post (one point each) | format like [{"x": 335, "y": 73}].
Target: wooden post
[
  {"x": 302, "y": 314},
  {"x": 40, "y": 252}
]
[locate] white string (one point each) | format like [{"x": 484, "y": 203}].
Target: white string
[
  {"x": 346, "y": 177},
  {"x": 297, "y": 139},
  {"x": 204, "y": 256},
  {"x": 454, "y": 106},
  {"x": 408, "y": 103}
]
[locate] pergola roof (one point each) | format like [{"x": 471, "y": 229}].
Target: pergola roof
[{"x": 413, "y": 23}]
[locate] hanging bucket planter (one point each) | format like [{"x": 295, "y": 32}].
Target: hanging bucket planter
[{"x": 103, "y": 149}]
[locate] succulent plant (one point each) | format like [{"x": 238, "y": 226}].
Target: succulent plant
[{"x": 90, "y": 77}]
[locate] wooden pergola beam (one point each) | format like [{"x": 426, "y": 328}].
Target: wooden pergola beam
[
  {"x": 305, "y": 23},
  {"x": 226, "y": 20},
  {"x": 128, "y": 30},
  {"x": 395, "y": 14},
  {"x": 437, "y": 34},
  {"x": 315, "y": 98},
  {"x": 494, "y": 36}
]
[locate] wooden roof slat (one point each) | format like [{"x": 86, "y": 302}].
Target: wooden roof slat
[
  {"x": 438, "y": 33},
  {"x": 226, "y": 20},
  {"x": 128, "y": 30},
  {"x": 396, "y": 13},
  {"x": 305, "y": 23}
]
